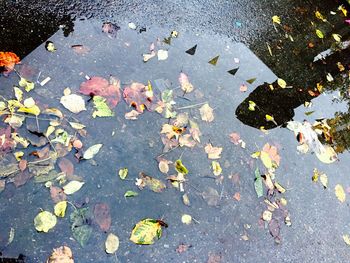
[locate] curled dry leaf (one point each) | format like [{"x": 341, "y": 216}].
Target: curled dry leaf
[{"x": 207, "y": 113}]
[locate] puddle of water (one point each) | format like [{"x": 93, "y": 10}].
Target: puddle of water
[{"x": 135, "y": 144}]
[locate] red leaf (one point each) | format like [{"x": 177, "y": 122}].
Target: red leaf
[
  {"x": 21, "y": 178},
  {"x": 22, "y": 165},
  {"x": 57, "y": 194},
  {"x": 102, "y": 216},
  {"x": 66, "y": 166},
  {"x": 97, "y": 86},
  {"x": 6, "y": 142}
]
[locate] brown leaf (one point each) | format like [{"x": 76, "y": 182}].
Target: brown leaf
[
  {"x": 211, "y": 196},
  {"x": 22, "y": 165},
  {"x": 213, "y": 152},
  {"x": 137, "y": 96},
  {"x": 102, "y": 216},
  {"x": 61, "y": 255},
  {"x": 66, "y": 166},
  {"x": 235, "y": 138},
  {"x": 57, "y": 194},
  {"x": 21, "y": 178},
  {"x": 237, "y": 196}
]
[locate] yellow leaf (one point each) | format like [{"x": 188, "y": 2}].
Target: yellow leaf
[
  {"x": 18, "y": 94},
  {"x": 276, "y": 19},
  {"x": 44, "y": 221},
  {"x": 252, "y": 105},
  {"x": 207, "y": 113},
  {"x": 123, "y": 173},
  {"x": 146, "y": 231},
  {"x": 281, "y": 83},
  {"x": 60, "y": 208},
  {"x": 217, "y": 170},
  {"x": 18, "y": 155},
  {"x": 336, "y": 37},
  {"x": 346, "y": 239},
  {"x": 112, "y": 243},
  {"x": 72, "y": 187},
  {"x": 32, "y": 110},
  {"x": 266, "y": 160},
  {"x": 186, "y": 219},
  {"x": 320, "y": 16},
  {"x": 340, "y": 193},
  {"x": 327, "y": 155},
  {"x": 269, "y": 118},
  {"x": 26, "y": 84},
  {"x": 180, "y": 168},
  {"x": 319, "y": 33},
  {"x": 49, "y": 130},
  {"x": 343, "y": 9},
  {"x": 255, "y": 155}
]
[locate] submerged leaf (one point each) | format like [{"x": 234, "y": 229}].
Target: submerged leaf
[
  {"x": 217, "y": 170},
  {"x": 102, "y": 216},
  {"x": 185, "y": 84}
]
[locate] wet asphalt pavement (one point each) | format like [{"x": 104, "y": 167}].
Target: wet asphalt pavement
[{"x": 316, "y": 233}]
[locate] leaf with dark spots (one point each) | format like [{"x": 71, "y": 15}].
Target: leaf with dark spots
[
  {"x": 66, "y": 166},
  {"x": 97, "y": 86},
  {"x": 102, "y": 216},
  {"x": 138, "y": 96}
]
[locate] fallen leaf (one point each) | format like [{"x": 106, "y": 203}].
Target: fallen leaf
[
  {"x": 92, "y": 151},
  {"x": 57, "y": 194},
  {"x": 60, "y": 209},
  {"x": 72, "y": 187},
  {"x": 61, "y": 255},
  {"x": 112, "y": 243},
  {"x": 235, "y": 138},
  {"x": 276, "y": 19},
  {"x": 44, "y": 221},
  {"x": 185, "y": 84},
  {"x": 97, "y": 86},
  {"x": 79, "y": 225},
  {"x": 327, "y": 154},
  {"x": 319, "y": 33},
  {"x": 243, "y": 88},
  {"x": 146, "y": 231},
  {"x": 340, "y": 193},
  {"x": 217, "y": 170},
  {"x": 8, "y": 60},
  {"x": 237, "y": 196},
  {"x": 130, "y": 194},
  {"x": 123, "y": 173},
  {"x": 73, "y": 103},
  {"x": 66, "y": 166},
  {"x": 154, "y": 184},
  {"x": 50, "y": 46},
  {"x": 137, "y": 96},
  {"x": 182, "y": 248},
  {"x": 163, "y": 166},
  {"x": 110, "y": 29},
  {"x": 258, "y": 185},
  {"x": 102, "y": 216},
  {"x": 346, "y": 239},
  {"x": 251, "y": 106},
  {"x": 267, "y": 215},
  {"x": 101, "y": 108},
  {"x": 207, "y": 113},
  {"x": 132, "y": 115},
  {"x": 281, "y": 83},
  {"x": 213, "y": 152},
  {"x": 180, "y": 168},
  {"x": 80, "y": 49},
  {"x": 186, "y": 219}
]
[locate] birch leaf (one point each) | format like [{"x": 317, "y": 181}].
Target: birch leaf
[
  {"x": 72, "y": 187},
  {"x": 123, "y": 173},
  {"x": 112, "y": 243},
  {"x": 60, "y": 209},
  {"x": 340, "y": 193},
  {"x": 92, "y": 151},
  {"x": 44, "y": 221}
]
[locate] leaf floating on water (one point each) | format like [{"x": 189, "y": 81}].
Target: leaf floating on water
[
  {"x": 214, "y": 61},
  {"x": 92, "y": 151},
  {"x": 180, "y": 168},
  {"x": 112, "y": 243},
  {"x": 251, "y": 81},
  {"x": 327, "y": 154},
  {"x": 163, "y": 166},
  {"x": 132, "y": 115},
  {"x": 73, "y": 103},
  {"x": 192, "y": 50},
  {"x": 258, "y": 184},
  {"x": 8, "y": 60},
  {"x": 147, "y": 231},
  {"x": 346, "y": 239},
  {"x": 281, "y": 83},
  {"x": 319, "y": 33},
  {"x": 60, "y": 209},
  {"x": 72, "y": 187},
  {"x": 324, "y": 180},
  {"x": 207, "y": 113},
  {"x": 50, "y": 46},
  {"x": 102, "y": 109},
  {"x": 213, "y": 152},
  {"x": 130, "y": 194},
  {"x": 340, "y": 193},
  {"x": 44, "y": 221},
  {"x": 233, "y": 71},
  {"x": 186, "y": 219},
  {"x": 217, "y": 170},
  {"x": 123, "y": 173},
  {"x": 251, "y": 106},
  {"x": 154, "y": 184},
  {"x": 185, "y": 84},
  {"x": 276, "y": 19}
]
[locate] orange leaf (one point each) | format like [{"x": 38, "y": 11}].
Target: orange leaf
[{"x": 8, "y": 59}]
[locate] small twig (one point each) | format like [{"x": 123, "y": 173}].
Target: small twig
[
  {"x": 191, "y": 106},
  {"x": 172, "y": 149}
]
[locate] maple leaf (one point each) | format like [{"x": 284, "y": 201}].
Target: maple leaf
[
  {"x": 98, "y": 86},
  {"x": 138, "y": 96},
  {"x": 213, "y": 152}
]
